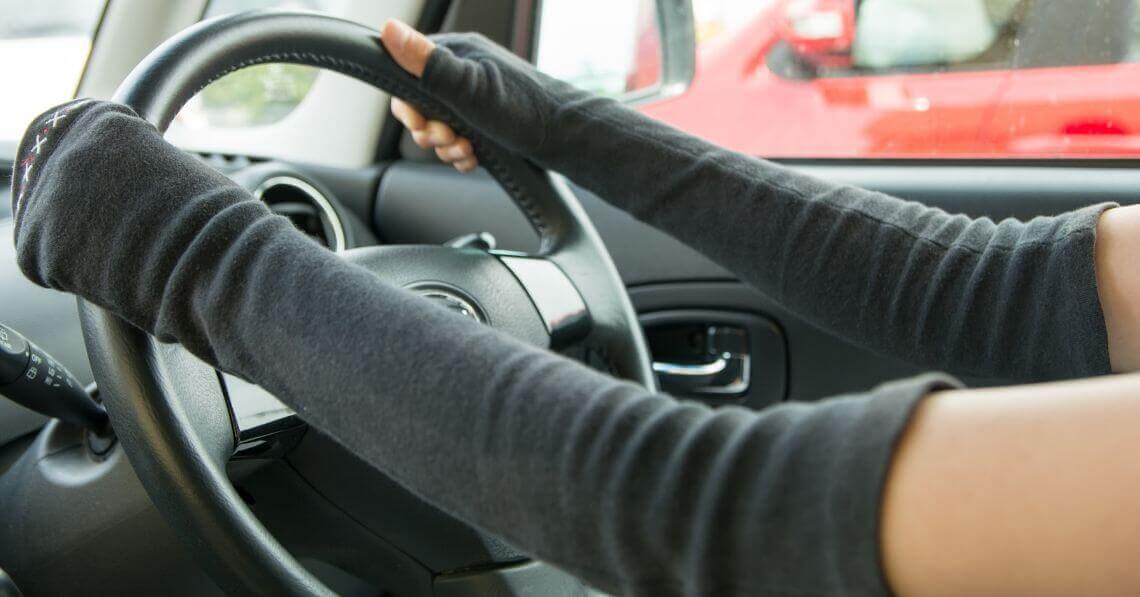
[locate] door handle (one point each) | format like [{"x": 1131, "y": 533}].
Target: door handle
[
  {"x": 755, "y": 373},
  {"x": 726, "y": 375},
  {"x": 700, "y": 371}
]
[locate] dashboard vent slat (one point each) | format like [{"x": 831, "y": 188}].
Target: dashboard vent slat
[{"x": 305, "y": 206}]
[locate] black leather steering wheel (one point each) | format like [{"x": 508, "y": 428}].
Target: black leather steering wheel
[{"x": 169, "y": 409}]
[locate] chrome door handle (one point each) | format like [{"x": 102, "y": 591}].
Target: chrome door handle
[
  {"x": 723, "y": 370},
  {"x": 692, "y": 371},
  {"x": 728, "y": 375}
]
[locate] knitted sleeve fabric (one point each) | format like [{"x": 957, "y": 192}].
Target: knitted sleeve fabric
[
  {"x": 1012, "y": 300},
  {"x": 634, "y": 492}
]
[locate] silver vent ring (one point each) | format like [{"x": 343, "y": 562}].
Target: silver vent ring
[{"x": 330, "y": 214}]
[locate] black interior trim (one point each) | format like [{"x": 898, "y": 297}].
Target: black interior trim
[
  {"x": 524, "y": 28},
  {"x": 5, "y": 190}
]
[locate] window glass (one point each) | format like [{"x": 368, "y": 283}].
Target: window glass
[
  {"x": 623, "y": 52},
  {"x": 915, "y": 78},
  {"x": 894, "y": 33},
  {"x": 259, "y": 95},
  {"x": 43, "y": 46}
]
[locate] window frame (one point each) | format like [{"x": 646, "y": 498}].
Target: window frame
[
  {"x": 678, "y": 42},
  {"x": 8, "y": 147}
]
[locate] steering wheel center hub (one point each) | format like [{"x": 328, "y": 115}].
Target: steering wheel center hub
[{"x": 450, "y": 298}]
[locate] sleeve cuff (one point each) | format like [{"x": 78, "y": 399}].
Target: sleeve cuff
[{"x": 855, "y": 494}]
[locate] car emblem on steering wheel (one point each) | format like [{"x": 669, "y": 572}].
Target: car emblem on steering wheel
[{"x": 449, "y": 298}]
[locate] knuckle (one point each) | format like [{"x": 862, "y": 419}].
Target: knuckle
[
  {"x": 421, "y": 139},
  {"x": 440, "y": 132}
]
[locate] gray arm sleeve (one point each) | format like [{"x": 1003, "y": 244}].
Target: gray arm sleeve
[
  {"x": 634, "y": 492},
  {"x": 1012, "y": 300}
]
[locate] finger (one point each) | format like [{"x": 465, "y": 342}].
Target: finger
[
  {"x": 421, "y": 138},
  {"x": 443, "y": 155},
  {"x": 439, "y": 133},
  {"x": 466, "y": 165},
  {"x": 461, "y": 149},
  {"x": 408, "y": 47},
  {"x": 408, "y": 115},
  {"x": 434, "y": 134}
]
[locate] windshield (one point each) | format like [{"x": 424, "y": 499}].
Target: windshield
[{"x": 259, "y": 95}]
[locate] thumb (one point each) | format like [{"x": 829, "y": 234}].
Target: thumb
[{"x": 408, "y": 47}]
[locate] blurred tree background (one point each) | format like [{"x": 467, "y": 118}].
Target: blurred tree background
[
  {"x": 257, "y": 95},
  {"x": 264, "y": 94}
]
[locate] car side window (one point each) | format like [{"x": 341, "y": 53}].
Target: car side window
[
  {"x": 44, "y": 48},
  {"x": 907, "y": 33},
  {"x": 915, "y": 79},
  {"x": 844, "y": 38},
  {"x": 623, "y": 55}
]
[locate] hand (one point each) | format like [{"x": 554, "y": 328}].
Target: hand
[
  {"x": 411, "y": 50},
  {"x": 107, "y": 209}
]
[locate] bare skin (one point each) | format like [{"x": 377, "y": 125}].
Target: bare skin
[
  {"x": 1028, "y": 490},
  {"x": 1118, "y": 282}
]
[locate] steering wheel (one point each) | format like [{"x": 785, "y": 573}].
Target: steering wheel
[{"x": 169, "y": 409}]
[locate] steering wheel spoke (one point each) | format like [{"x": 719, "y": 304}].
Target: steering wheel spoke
[
  {"x": 200, "y": 398},
  {"x": 554, "y": 296}
]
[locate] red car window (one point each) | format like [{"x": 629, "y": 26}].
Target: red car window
[{"x": 916, "y": 79}]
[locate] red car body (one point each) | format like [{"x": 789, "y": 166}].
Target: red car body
[{"x": 738, "y": 100}]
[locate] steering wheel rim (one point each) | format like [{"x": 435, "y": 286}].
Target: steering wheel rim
[{"x": 155, "y": 393}]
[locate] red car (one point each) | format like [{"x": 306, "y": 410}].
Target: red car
[{"x": 810, "y": 78}]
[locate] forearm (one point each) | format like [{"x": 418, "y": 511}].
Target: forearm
[
  {"x": 1012, "y": 300},
  {"x": 1018, "y": 491},
  {"x": 634, "y": 492}
]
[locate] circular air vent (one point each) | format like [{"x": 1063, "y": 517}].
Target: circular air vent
[{"x": 308, "y": 209}]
